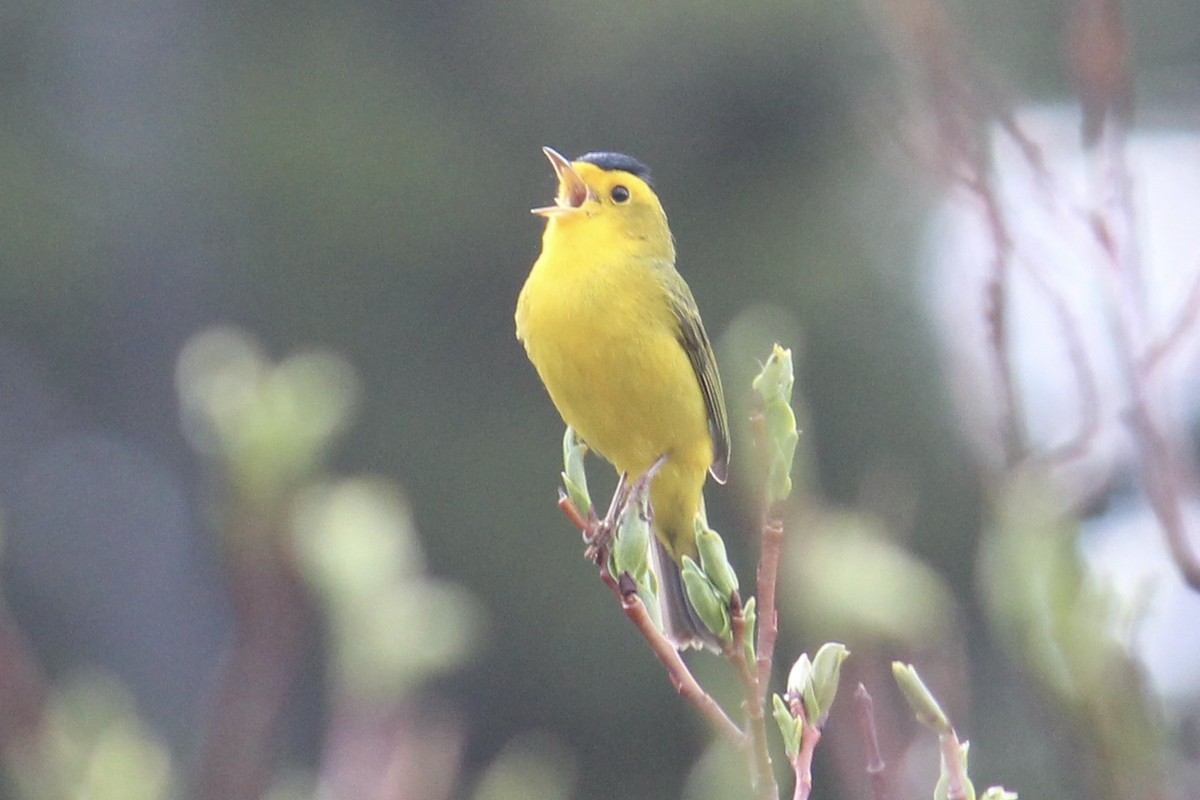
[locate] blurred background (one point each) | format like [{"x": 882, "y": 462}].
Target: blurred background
[{"x": 316, "y": 550}]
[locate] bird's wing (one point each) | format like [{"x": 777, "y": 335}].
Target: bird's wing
[{"x": 699, "y": 351}]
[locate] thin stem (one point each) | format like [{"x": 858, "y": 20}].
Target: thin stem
[
  {"x": 1159, "y": 460},
  {"x": 876, "y": 768},
  {"x": 957, "y": 774},
  {"x": 771, "y": 532},
  {"x": 1170, "y": 341},
  {"x": 756, "y": 723},
  {"x": 768, "y": 616},
  {"x": 1085, "y": 378},
  {"x": 633, "y": 607},
  {"x": 802, "y": 763},
  {"x": 1163, "y": 492},
  {"x": 681, "y": 677}
]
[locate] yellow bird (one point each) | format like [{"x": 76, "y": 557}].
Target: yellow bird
[{"x": 616, "y": 337}]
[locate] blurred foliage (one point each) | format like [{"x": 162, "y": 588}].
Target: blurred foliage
[
  {"x": 859, "y": 582},
  {"x": 529, "y": 767},
  {"x": 1072, "y": 634},
  {"x": 391, "y": 625},
  {"x": 92, "y": 744}
]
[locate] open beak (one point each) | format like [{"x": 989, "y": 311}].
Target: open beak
[{"x": 572, "y": 191}]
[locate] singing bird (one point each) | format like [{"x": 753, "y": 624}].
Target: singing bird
[{"x": 616, "y": 337}]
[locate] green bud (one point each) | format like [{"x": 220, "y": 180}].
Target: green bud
[
  {"x": 826, "y": 673},
  {"x": 706, "y": 599},
  {"x": 800, "y": 675},
  {"x": 574, "y": 476},
  {"x": 790, "y": 728},
  {"x": 714, "y": 560},
  {"x": 773, "y": 385},
  {"x": 920, "y": 699},
  {"x": 750, "y": 615},
  {"x": 630, "y": 550}
]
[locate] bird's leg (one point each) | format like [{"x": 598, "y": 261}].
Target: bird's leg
[{"x": 599, "y": 536}]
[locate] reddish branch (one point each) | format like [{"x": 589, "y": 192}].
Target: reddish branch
[
  {"x": 1185, "y": 322},
  {"x": 681, "y": 677},
  {"x": 272, "y": 625},
  {"x": 802, "y": 763},
  {"x": 22, "y": 688},
  {"x": 756, "y": 725},
  {"x": 1160, "y": 462},
  {"x": 768, "y": 616},
  {"x": 771, "y": 529},
  {"x": 876, "y": 768},
  {"x": 956, "y": 773}
]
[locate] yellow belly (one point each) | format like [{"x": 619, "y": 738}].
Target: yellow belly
[{"x": 605, "y": 344}]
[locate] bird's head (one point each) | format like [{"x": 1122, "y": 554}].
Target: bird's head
[{"x": 607, "y": 194}]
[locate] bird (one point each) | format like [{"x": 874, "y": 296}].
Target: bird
[{"x": 616, "y": 337}]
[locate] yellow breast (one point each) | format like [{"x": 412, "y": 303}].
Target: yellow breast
[{"x": 598, "y": 327}]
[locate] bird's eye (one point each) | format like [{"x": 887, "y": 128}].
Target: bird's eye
[{"x": 619, "y": 194}]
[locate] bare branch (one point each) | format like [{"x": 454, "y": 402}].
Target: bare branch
[
  {"x": 1185, "y": 322},
  {"x": 876, "y": 768}
]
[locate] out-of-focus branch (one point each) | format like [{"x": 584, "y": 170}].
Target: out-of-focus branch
[
  {"x": 1189, "y": 315},
  {"x": 930, "y": 46},
  {"x": 22, "y": 686},
  {"x": 1100, "y": 52},
  {"x": 1105, "y": 84},
  {"x": 1085, "y": 378},
  {"x": 1161, "y": 477},
  {"x": 876, "y": 767},
  {"x": 273, "y": 622}
]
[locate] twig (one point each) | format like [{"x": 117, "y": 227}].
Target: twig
[
  {"x": 1085, "y": 378},
  {"x": 1013, "y": 434},
  {"x": 876, "y": 767},
  {"x": 802, "y": 763},
  {"x": 767, "y": 575},
  {"x": 1162, "y": 490},
  {"x": 681, "y": 677},
  {"x": 756, "y": 723},
  {"x": 1185, "y": 322},
  {"x": 633, "y": 607},
  {"x": 956, "y": 773},
  {"x": 1157, "y": 457},
  {"x": 768, "y": 616}
]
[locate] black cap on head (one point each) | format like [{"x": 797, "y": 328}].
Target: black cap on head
[{"x": 611, "y": 161}]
